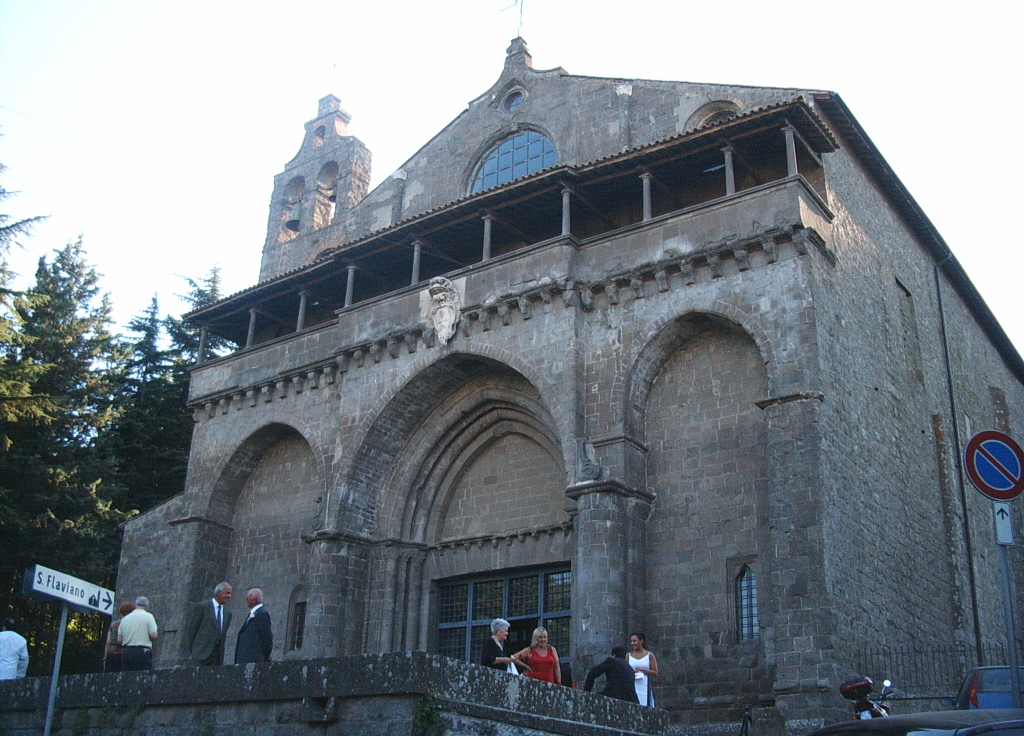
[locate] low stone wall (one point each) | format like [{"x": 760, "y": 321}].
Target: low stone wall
[{"x": 396, "y": 694}]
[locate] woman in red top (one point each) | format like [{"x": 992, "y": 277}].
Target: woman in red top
[{"x": 541, "y": 658}]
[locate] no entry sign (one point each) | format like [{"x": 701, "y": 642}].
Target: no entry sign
[{"x": 995, "y": 465}]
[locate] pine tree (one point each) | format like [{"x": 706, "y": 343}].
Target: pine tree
[
  {"x": 52, "y": 508},
  {"x": 17, "y": 402},
  {"x": 186, "y": 337},
  {"x": 149, "y": 440}
]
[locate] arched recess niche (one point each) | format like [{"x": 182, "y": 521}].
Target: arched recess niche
[
  {"x": 692, "y": 401},
  {"x": 474, "y": 484},
  {"x": 418, "y": 436},
  {"x": 269, "y": 493}
]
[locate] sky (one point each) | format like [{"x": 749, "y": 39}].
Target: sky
[{"x": 154, "y": 130}]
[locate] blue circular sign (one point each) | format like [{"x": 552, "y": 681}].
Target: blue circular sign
[{"x": 995, "y": 465}]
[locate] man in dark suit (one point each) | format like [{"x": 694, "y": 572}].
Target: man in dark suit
[
  {"x": 255, "y": 639},
  {"x": 206, "y": 628},
  {"x": 618, "y": 682}
]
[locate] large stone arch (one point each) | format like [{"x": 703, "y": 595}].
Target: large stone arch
[
  {"x": 239, "y": 465},
  {"x": 268, "y": 495},
  {"x": 660, "y": 347},
  {"x": 476, "y": 484},
  {"x": 693, "y": 398},
  {"x": 382, "y": 462}
]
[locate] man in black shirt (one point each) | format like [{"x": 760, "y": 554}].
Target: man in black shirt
[{"x": 618, "y": 677}]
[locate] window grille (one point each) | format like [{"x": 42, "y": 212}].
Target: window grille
[
  {"x": 746, "y": 605},
  {"x": 466, "y": 608},
  {"x": 515, "y": 156}
]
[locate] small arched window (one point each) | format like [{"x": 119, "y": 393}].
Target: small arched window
[
  {"x": 518, "y": 155},
  {"x": 747, "y": 622},
  {"x": 296, "y": 632}
]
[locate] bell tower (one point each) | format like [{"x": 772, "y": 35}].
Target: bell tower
[{"x": 313, "y": 195}]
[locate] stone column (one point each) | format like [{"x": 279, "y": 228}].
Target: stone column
[
  {"x": 204, "y": 335},
  {"x": 488, "y": 220},
  {"x": 417, "y": 247},
  {"x": 566, "y": 219},
  {"x": 796, "y": 610},
  {"x": 301, "y": 321},
  {"x": 251, "y": 335},
  {"x": 791, "y": 165},
  {"x": 350, "y": 284},
  {"x": 646, "y": 179},
  {"x": 336, "y": 601},
  {"x": 609, "y": 553},
  {"x": 730, "y": 171}
]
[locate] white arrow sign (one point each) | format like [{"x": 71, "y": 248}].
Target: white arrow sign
[
  {"x": 1004, "y": 523},
  {"x": 77, "y": 592}
]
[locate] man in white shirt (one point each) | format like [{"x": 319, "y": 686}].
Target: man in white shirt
[
  {"x": 137, "y": 633},
  {"x": 255, "y": 638},
  {"x": 13, "y": 652}
]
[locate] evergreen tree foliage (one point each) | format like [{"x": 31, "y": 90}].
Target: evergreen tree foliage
[
  {"x": 52, "y": 508},
  {"x": 186, "y": 337},
  {"x": 17, "y": 402},
  {"x": 149, "y": 440}
]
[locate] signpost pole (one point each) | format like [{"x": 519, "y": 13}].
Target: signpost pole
[
  {"x": 995, "y": 464},
  {"x": 1011, "y": 640},
  {"x": 56, "y": 668}
]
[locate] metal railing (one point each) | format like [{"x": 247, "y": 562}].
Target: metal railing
[{"x": 926, "y": 671}]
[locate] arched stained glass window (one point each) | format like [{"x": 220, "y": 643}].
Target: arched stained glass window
[{"x": 516, "y": 156}]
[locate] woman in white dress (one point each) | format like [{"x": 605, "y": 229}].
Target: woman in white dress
[{"x": 644, "y": 665}]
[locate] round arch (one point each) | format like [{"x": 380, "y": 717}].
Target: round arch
[
  {"x": 491, "y": 145},
  {"x": 414, "y": 430},
  {"x": 239, "y": 466},
  {"x": 657, "y": 351}
]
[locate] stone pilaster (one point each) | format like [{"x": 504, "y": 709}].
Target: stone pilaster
[
  {"x": 336, "y": 601},
  {"x": 799, "y": 630},
  {"x": 606, "y": 567}
]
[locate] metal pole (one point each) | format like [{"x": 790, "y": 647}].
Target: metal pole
[
  {"x": 56, "y": 669},
  {"x": 1011, "y": 628}
]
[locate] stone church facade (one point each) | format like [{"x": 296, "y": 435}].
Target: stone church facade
[{"x": 603, "y": 355}]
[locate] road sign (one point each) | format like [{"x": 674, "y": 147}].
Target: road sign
[
  {"x": 1004, "y": 523},
  {"x": 995, "y": 465},
  {"x": 78, "y": 593}
]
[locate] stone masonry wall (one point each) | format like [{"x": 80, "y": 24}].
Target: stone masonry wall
[{"x": 391, "y": 695}]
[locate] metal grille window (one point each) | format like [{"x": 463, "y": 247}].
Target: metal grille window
[
  {"x": 299, "y": 626},
  {"x": 746, "y": 605},
  {"x": 539, "y": 598},
  {"x": 515, "y": 156},
  {"x": 295, "y": 633}
]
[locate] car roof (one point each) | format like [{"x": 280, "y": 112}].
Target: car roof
[{"x": 945, "y": 719}]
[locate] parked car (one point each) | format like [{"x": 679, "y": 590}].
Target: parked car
[
  {"x": 999, "y": 722},
  {"x": 987, "y": 687}
]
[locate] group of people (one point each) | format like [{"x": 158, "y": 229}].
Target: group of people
[
  {"x": 627, "y": 676},
  {"x": 130, "y": 639}
]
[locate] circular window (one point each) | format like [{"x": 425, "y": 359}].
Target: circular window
[
  {"x": 513, "y": 101},
  {"x": 515, "y": 156}
]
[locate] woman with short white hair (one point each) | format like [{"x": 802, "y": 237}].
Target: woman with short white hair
[{"x": 494, "y": 648}]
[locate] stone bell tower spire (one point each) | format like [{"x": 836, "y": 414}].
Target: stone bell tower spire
[{"x": 313, "y": 195}]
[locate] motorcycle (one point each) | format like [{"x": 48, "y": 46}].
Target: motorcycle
[{"x": 859, "y": 691}]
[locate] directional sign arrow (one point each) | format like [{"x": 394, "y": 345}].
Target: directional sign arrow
[
  {"x": 1004, "y": 523},
  {"x": 80, "y": 594}
]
